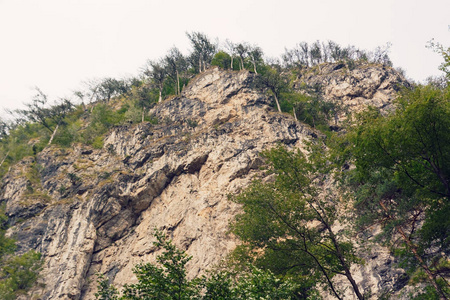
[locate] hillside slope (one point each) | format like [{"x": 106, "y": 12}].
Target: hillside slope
[{"x": 95, "y": 210}]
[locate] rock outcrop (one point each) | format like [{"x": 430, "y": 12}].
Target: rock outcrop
[
  {"x": 98, "y": 208},
  {"x": 355, "y": 89},
  {"x": 94, "y": 210}
]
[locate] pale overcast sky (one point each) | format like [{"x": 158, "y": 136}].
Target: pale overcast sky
[{"x": 56, "y": 44}]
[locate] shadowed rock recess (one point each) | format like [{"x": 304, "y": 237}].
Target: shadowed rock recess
[{"x": 96, "y": 210}]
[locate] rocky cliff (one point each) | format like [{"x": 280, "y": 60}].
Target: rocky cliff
[
  {"x": 355, "y": 88},
  {"x": 94, "y": 210}
]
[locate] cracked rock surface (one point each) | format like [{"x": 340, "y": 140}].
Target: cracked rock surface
[
  {"x": 101, "y": 206},
  {"x": 95, "y": 210}
]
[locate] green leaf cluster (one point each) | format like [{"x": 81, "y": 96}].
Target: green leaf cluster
[
  {"x": 167, "y": 280},
  {"x": 402, "y": 177},
  {"x": 286, "y": 226},
  {"x": 17, "y": 273}
]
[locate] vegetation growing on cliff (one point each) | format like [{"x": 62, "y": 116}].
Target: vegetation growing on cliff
[
  {"x": 287, "y": 225},
  {"x": 167, "y": 280},
  {"x": 108, "y": 102},
  {"x": 17, "y": 273},
  {"x": 400, "y": 180}
]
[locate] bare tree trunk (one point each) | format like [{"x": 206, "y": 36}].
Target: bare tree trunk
[
  {"x": 143, "y": 113},
  {"x": 92, "y": 97},
  {"x": 231, "y": 64},
  {"x": 53, "y": 134},
  {"x": 295, "y": 115},
  {"x": 4, "y": 158},
  {"x": 321, "y": 214},
  {"x": 254, "y": 65},
  {"x": 343, "y": 262},
  {"x": 430, "y": 275},
  {"x": 278, "y": 104},
  {"x": 160, "y": 94},
  {"x": 178, "y": 84}
]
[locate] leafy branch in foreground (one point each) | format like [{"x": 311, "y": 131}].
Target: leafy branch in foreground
[
  {"x": 402, "y": 179},
  {"x": 287, "y": 227},
  {"x": 167, "y": 280}
]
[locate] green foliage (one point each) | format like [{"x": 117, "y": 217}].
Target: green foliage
[
  {"x": 305, "y": 55},
  {"x": 222, "y": 60},
  {"x": 7, "y": 245},
  {"x": 408, "y": 150},
  {"x": 106, "y": 291},
  {"x": 307, "y": 105},
  {"x": 17, "y": 273},
  {"x": 445, "y": 52},
  {"x": 109, "y": 88},
  {"x": 255, "y": 284},
  {"x": 276, "y": 82},
  {"x": 312, "y": 110},
  {"x": 203, "y": 51},
  {"x": 402, "y": 175},
  {"x": 68, "y": 133},
  {"x": 276, "y": 224},
  {"x": 167, "y": 280},
  {"x": 261, "y": 284},
  {"x": 103, "y": 118},
  {"x": 22, "y": 141}
]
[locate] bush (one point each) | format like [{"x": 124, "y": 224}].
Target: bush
[
  {"x": 311, "y": 110},
  {"x": 222, "y": 60},
  {"x": 167, "y": 280},
  {"x": 17, "y": 273}
]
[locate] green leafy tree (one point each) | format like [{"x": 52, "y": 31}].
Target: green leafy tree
[
  {"x": 221, "y": 59},
  {"x": 255, "y": 55},
  {"x": 4, "y": 151},
  {"x": 203, "y": 51},
  {"x": 102, "y": 118},
  {"x": 49, "y": 117},
  {"x": 7, "y": 245},
  {"x": 106, "y": 291},
  {"x": 287, "y": 227},
  {"x": 241, "y": 50},
  {"x": 259, "y": 284},
  {"x": 312, "y": 110},
  {"x": 142, "y": 97},
  {"x": 445, "y": 52},
  {"x": 109, "y": 88},
  {"x": 176, "y": 64},
  {"x": 167, "y": 280},
  {"x": 157, "y": 72},
  {"x": 231, "y": 48},
  {"x": 274, "y": 80},
  {"x": 316, "y": 53},
  {"x": 402, "y": 177}
]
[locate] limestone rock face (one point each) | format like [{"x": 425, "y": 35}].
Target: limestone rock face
[
  {"x": 95, "y": 210},
  {"x": 358, "y": 88}
]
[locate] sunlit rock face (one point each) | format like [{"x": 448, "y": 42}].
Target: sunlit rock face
[
  {"x": 95, "y": 210},
  {"x": 355, "y": 89}
]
